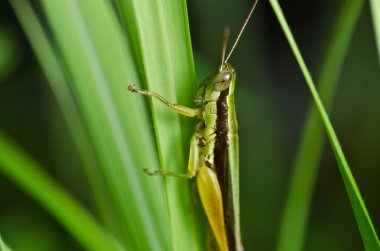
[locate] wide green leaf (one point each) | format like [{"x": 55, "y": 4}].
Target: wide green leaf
[{"x": 167, "y": 67}]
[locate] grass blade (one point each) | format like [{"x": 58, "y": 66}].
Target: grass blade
[
  {"x": 375, "y": 7},
  {"x": 169, "y": 70},
  {"x": 28, "y": 174},
  {"x": 101, "y": 64},
  {"x": 3, "y": 247},
  {"x": 293, "y": 225},
  {"x": 90, "y": 49},
  {"x": 369, "y": 236}
]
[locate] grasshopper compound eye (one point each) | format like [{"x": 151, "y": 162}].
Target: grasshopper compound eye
[{"x": 222, "y": 81}]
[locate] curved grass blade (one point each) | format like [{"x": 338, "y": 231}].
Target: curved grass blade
[
  {"x": 375, "y": 7},
  {"x": 29, "y": 175},
  {"x": 293, "y": 225},
  {"x": 367, "y": 231}
]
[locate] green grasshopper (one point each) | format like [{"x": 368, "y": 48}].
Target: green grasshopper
[{"x": 213, "y": 157}]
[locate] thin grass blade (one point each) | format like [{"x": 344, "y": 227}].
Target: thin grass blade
[
  {"x": 3, "y": 247},
  {"x": 294, "y": 220},
  {"x": 375, "y": 8},
  {"x": 367, "y": 231},
  {"x": 29, "y": 175}
]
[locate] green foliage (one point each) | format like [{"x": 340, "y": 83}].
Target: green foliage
[
  {"x": 89, "y": 70},
  {"x": 309, "y": 152},
  {"x": 368, "y": 233},
  {"x": 30, "y": 176},
  {"x": 90, "y": 51}
]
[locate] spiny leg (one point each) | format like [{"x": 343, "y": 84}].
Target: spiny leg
[
  {"x": 184, "y": 110},
  {"x": 192, "y": 166}
]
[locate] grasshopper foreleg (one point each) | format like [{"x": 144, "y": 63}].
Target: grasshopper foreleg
[{"x": 187, "y": 111}]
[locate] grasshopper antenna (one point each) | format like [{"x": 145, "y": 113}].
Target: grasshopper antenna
[
  {"x": 241, "y": 30},
  {"x": 226, "y": 34}
]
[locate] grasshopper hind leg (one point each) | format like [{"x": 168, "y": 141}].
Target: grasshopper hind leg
[{"x": 211, "y": 197}]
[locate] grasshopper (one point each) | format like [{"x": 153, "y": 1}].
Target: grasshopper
[{"x": 213, "y": 157}]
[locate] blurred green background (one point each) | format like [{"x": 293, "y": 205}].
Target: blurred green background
[{"x": 272, "y": 100}]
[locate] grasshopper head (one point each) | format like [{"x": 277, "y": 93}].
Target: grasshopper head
[
  {"x": 224, "y": 77},
  {"x": 219, "y": 80}
]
